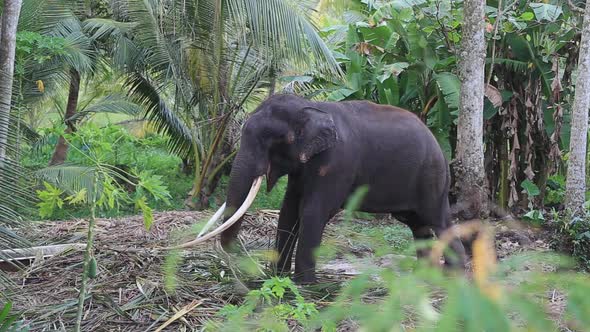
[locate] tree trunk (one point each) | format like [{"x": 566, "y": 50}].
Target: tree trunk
[
  {"x": 9, "y": 25},
  {"x": 576, "y": 172},
  {"x": 61, "y": 149},
  {"x": 469, "y": 163},
  {"x": 272, "y": 76}
]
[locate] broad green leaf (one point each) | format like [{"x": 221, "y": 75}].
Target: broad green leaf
[
  {"x": 450, "y": 86},
  {"x": 50, "y": 199},
  {"x": 545, "y": 11},
  {"x": 5, "y": 310},
  {"x": 154, "y": 186},
  {"x": 377, "y": 36},
  {"x": 527, "y": 16},
  {"x": 79, "y": 197},
  {"x": 530, "y": 188},
  {"x": 393, "y": 69},
  {"x": 148, "y": 216},
  {"x": 444, "y": 64},
  {"x": 442, "y": 137},
  {"x": 535, "y": 216},
  {"x": 430, "y": 57},
  {"x": 403, "y": 4},
  {"x": 489, "y": 110},
  {"x": 341, "y": 94},
  {"x": 516, "y": 23}
]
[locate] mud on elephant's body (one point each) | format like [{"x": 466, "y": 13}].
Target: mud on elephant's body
[{"x": 330, "y": 149}]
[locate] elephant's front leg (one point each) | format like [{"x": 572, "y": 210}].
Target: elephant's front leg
[
  {"x": 311, "y": 229},
  {"x": 288, "y": 228},
  {"x": 314, "y": 215}
]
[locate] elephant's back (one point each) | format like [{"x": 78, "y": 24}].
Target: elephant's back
[
  {"x": 396, "y": 153},
  {"x": 377, "y": 123}
]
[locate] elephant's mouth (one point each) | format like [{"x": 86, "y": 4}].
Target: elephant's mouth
[{"x": 232, "y": 220}]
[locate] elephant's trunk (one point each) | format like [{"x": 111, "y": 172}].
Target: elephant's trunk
[
  {"x": 245, "y": 181},
  {"x": 246, "y": 168}
]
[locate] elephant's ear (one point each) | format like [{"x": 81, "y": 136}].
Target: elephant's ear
[{"x": 317, "y": 133}]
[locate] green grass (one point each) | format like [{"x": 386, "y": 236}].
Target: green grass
[{"x": 396, "y": 238}]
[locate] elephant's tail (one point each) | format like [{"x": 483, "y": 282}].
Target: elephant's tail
[{"x": 445, "y": 196}]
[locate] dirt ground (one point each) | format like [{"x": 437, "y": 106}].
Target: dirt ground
[{"x": 130, "y": 293}]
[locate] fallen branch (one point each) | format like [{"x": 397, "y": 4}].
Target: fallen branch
[
  {"x": 188, "y": 308},
  {"x": 38, "y": 252}
]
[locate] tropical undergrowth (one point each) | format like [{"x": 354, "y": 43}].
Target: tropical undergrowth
[
  {"x": 114, "y": 146},
  {"x": 506, "y": 296}
]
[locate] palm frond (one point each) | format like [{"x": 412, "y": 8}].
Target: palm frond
[
  {"x": 125, "y": 54},
  {"x": 80, "y": 53},
  {"x": 43, "y": 15},
  {"x": 70, "y": 178},
  {"x": 25, "y": 132},
  {"x": 156, "y": 111},
  {"x": 15, "y": 198},
  {"x": 100, "y": 28},
  {"x": 284, "y": 27},
  {"x": 163, "y": 50},
  {"x": 112, "y": 103},
  {"x": 15, "y": 192}
]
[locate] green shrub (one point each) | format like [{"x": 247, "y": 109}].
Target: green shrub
[
  {"x": 419, "y": 296},
  {"x": 555, "y": 193},
  {"x": 572, "y": 236},
  {"x": 113, "y": 145},
  {"x": 266, "y": 309}
]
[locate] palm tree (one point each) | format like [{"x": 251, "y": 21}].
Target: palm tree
[
  {"x": 39, "y": 79},
  {"x": 72, "y": 28},
  {"x": 197, "y": 65},
  {"x": 10, "y": 15},
  {"x": 576, "y": 167}
]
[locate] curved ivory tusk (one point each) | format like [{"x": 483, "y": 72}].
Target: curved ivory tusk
[
  {"x": 211, "y": 221},
  {"x": 232, "y": 220}
]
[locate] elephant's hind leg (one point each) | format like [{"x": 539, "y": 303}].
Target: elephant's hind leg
[
  {"x": 421, "y": 234},
  {"x": 438, "y": 221},
  {"x": 420, "y": 231},
  {"x": 457, "y": 257}
]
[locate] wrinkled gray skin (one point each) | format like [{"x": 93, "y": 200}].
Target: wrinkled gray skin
[{"x": 330, "y": 149}]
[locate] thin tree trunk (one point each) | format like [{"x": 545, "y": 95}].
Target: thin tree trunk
[
  {"x": 272, "y": 75},
  {"x": 469, "y": 163},
  {"x": 61, "y": 149},
  {"x": 576, "y": 171},
  {"x": 9, "y": 25}
]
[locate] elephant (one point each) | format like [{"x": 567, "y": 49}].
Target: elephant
[{"x": 328, "y": 150}]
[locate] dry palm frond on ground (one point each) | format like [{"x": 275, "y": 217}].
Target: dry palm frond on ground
[{"x": 130, "y": 293}]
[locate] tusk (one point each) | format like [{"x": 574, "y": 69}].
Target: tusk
[
  {"x": 211, "y": 221},
  {"x": 232, "y": 220}
]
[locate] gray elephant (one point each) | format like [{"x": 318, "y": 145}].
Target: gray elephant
[{"x": 327, "y": 150}]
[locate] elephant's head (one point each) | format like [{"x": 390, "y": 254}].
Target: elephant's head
[{"x": 283, "y": 133}]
